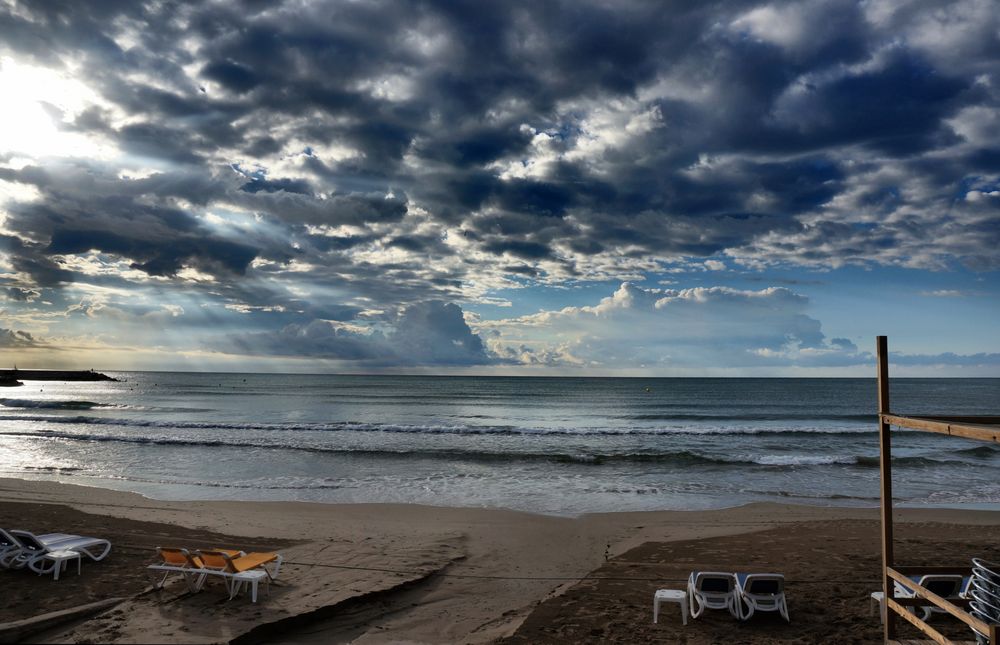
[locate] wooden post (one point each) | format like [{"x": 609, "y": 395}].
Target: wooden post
[{"x": 885, "y": 466}]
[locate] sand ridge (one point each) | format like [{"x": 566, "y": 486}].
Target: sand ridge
[{"x": 303, "y": 589}]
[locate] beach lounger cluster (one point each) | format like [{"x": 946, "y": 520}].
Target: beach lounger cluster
[
  {"x": 741, "y": 594},
  {"x": 984, "y": 593},
  {"x": 234, "y": 568},
  {"x": 43, "y": 553}
]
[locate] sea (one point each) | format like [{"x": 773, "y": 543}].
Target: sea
[{"x": 563, "y": 446}]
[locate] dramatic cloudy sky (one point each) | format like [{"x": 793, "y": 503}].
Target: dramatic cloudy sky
[{"x": 607, "y": 187}]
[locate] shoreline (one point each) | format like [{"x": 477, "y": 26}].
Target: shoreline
[{"x": 491, "y": 568}]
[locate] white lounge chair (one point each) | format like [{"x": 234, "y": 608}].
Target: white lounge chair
[
  {"x": 712, "y": 590},
  {"x": 10, "y": 546},
  {"x": 761, "y": 592},
  {"x": 34, "y": 547},
  {"x": 7, "y": 545},
  {"x": 945, "y": 585}
]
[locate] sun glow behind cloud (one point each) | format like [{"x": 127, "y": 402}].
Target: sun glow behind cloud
[{"x": 36, "y": 110}]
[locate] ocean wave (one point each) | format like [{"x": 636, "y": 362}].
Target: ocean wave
[
  {"x": 54, "y": 405},
  {"x": 801, "y": 495},
  {"x": 873, "y": 461},
  {"x": 676, "y": 457},
  {"x": 761, "y": 416},
  {"x": 979, "y": 451},
  {"x": 32, "y": 404},
  {"x": 358, "y": 426},
  {"x": 322, "y": 484}
]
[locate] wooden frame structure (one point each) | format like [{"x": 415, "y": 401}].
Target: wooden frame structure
[{"x": 981, "y": 428}]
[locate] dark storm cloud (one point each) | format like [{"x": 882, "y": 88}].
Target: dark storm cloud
[
  {"x": 418, "y": 244},
  {"x": 16, "y": 338},
  {"x": 316, "y": 339},
  {"x": 232, "y": 76},
  {"x": 426, "y": 333},
  {"x": 256, "y": 185},
  {"x": 387, "y": 153},
  {"x": 897, "y": 109},
  {"x": 135, "y": 220},
  {"x": 154, "y": 257},
  {"x": 457, "y": 84},
  {"x": 18, "y": 294},
  {"x": 517, "y": 248},
  {"x": 296, "y": 207}
]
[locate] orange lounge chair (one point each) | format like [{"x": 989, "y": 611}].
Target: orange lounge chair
[
  {"x": 182, "y": 561},
  {"x": 237, "y": 570},
  {"x": 176, "y": 560}
]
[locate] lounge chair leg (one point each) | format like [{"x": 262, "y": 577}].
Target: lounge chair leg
[{"x": 277, "y": 566}]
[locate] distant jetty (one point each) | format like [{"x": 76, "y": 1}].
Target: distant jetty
[{"x": 14, "y": 377}]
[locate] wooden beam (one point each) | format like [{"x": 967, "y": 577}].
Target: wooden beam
[
  {"x": 917, "y": 570},
  {"x": 882, "y": 351},
  {"x": 894, "y": 608},
  {"x": 981, "y": 432},
  {"x": 923, "y": 602},
  {"x": 885, "y": 474},
  {"x": 937, "y": 637},
  {"x": 943, "y": 603},
  {"x": 976, "y": 420},
  {"x": 914, "y": 641}
]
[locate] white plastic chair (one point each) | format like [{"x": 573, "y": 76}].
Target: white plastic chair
[
  {"x": 34, "y": 547},
  {"x": 251, "y": 578},
  {"x": 762, "y": 592},
  {"x": 712, "y": 590},
  {"x": 877, "y": 597}
]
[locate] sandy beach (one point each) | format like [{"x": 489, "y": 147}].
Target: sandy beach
[
  {"x": 484, "y": 322},
  {"x": 377, "y": 573}
]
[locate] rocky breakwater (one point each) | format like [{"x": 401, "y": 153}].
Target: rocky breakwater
[{"x": 15, "y": 377}]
